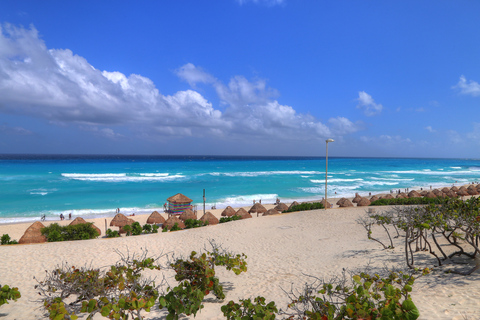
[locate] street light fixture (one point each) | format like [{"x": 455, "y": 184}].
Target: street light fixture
[{"x": 326, "y": 170}]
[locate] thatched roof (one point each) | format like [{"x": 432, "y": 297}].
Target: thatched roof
[
  {"x": 454, "y": 188},
  {"x": 208, "y": 216},
  {"x": 129, "y": 222},
  {"x": 451, "y": 194},
  {"x": 294, "y": 203},
  {"x": 402, "y": 195},
  {"x": 357, "y": 198},
  {"x": 423, "y": 193},
  {"x": 119, "y": 220},
  {"x": 414, "y": 194},
  {"x": 179, "y": 198},
  {"x": 472, "y": 190},
  {"x": 171, "y": 222},
  {"x": 445, "y": 189},
  {"x": 281, "y": 207},
  {"x": 155, "y": 218},
  {"x": 243, "y": 213},
  {"x": 258, "y": 208},
  {"x": 228, "y": 212},
  {"x": 373, "y": 198},
  {"x": 344, "y": 202},
  {"x": 363, "y": 202},
  {"x": 463, "y": 188},
  {"x": 326, "y": 204},
  {"x": 462, "y": 192},
  {"x": 478, "y": 187},
  {"x": 33, "y": 234},
  {"x": 187, "y": 214},
  {"x": 430, "y": 195},
  {"x": 387, "y": 196},
  {"x": 271, "y": 212},
  {"x": 80, "y": 220}
]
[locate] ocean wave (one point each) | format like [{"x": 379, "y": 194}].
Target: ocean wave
[
  {"x": 336, "y": 180},
  {"x": 262, "y": 173},
  {"x": 122, "y": 177},
  {"x": 440, "y": 173}
]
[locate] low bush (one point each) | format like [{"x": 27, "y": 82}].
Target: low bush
[
  {"x": 248, "y": 310},
  {"x": 406, "y": 201},
  {"x": 6, "y": 240},
  {"x": 112, "y": 234},
  {"x": 82, "y": 231},
  {"x": 193, "y": 223},
  {"x": 306, "y": 206},
  {"x": 175, "y": 227},
  {"x": 136, "y": 229},
  {"x": 227, "y": 219},
  {"x": 7, "y": 293}
]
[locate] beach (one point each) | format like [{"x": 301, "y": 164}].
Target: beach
[{"x": 282, "y": 250}]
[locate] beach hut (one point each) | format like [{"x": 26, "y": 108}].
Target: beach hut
[
  {"x": 357, "y": 198},
  {"x": 243, "y": 214},
  {"x": 430, "y": 195},
  {"x": 210, "y": 218},
  {"x": 271, "y": 212},
  {"x": 344, "y": 202},
  {"x": 373, "y": 198},
  {"x": 294, "y": 203},
  {"x": 80, "y": 220},
  {"x": 155, "y": 218},
  {"x": 414, "y": 194},
  {"x": 171, "y": 222},
  {"x": 363, "y": 202},
  {"x": 187, "y": 214},
  {"x": 228, "y": 212},
  {"x": 257, "y": 208},
  {"x": 177, "y": 204},
  {"x": 281, "y": 207},
  {"x": 33, "y": 234}
]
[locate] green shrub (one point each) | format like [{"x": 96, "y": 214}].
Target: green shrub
[
  {"x": 406, "y": 201},
  {"x": 154, "y": 228},
  {"x": 6, "y": 240},
  {"x": 306, "y": 206},
  {"x": 112, "y": 234},
  {"x": 247, "y": 310},
  {"x": 136, "y": 229},
  {"x": 227, "y": 219},
  {"x": 193, "y": 223},
  {"x": 175, "y": 227},
  {"x": 128, "y": 230},
  {"x": 82, "y": 231},
  {"x": 7, "y": 293},
  {"x": 147, "y": 228},
  {"x": 165, "y": 229}
]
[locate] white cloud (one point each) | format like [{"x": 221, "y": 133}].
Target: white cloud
[
  {"x": 366, "y": 102},
  {"x": 475, "y": 134},
  {"x": 467, "y": 87},
  {"x": 65, "y": 89},
  {"x": 14, "y": 130},
  {"x": 430, "y": 129},
  {"x": 385, "y": 139}
]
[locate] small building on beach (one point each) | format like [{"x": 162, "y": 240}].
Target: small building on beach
[{"x": 177, "y": 204}]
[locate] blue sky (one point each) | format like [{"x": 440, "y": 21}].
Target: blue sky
[{"x": 241, "y": 77}]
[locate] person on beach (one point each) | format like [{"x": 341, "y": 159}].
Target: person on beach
[
  {"x": 70, "y": 216},
  {"x": 61, "y": 216}
]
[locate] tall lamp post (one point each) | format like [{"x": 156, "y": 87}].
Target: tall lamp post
[{"x": 326, "y": 170}]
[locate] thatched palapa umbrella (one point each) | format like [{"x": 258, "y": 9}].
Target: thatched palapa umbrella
[
  {"x": 258, "y": 208},
  {"x": 210, "y": 218},
  {"x": 344, "y": 202},
  {"x": 373, "y": 198},
  {"x": 326, "y": 204},
  {"x": 187, "y": 214},
  {"x": 357, "y": 198},
  {"x": 462, "y": 192},
  {"x": 430, "y": 195},
  {"x": 472, "y": 190},
  {"x": 451, "y": 194},
  {"x": 445, "y": 190},
  {"x": 80, "y": 220},
  {"x": 119, "y": 220},
  {"x": 271, "y": 212},
  {"x": 402, "y": 195},
  {"x": 363, "y": 202},
  {"x": 414, "y": 194},
  {"x": 155, "y": 218},
  {"x": 454, "y": 189},
  {"x": 423, "y": 193},
  {"x": 243, "y": 214},
  {"x": 281, "y": 207},
  {"x": 294, "y": 203},
  {"x": 478, "y": 187},
  {"x": 228, "y": 212},
  {"x": 387, "y": 196},
  {"x": 33, "y": 234},
  {"x": 171, "y": 222}
]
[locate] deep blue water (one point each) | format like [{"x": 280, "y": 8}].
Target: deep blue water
[{"x": 32, "y": 185}]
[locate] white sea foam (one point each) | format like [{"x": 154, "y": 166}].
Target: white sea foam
[
  {"x": 456, "y": 167},
  {"x": 262, "y": 173},
  {"x": 40, "y": 193},
  {"x": 243, "y": 200},
  {"x": 122, "y": 177},
  {"x": 336, "y": 180}
]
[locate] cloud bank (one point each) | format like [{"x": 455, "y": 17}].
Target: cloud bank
[{"x": 63, "y": 88}]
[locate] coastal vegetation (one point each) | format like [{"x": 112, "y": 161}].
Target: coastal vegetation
[
  {"x": 406, "y": 201},
  {"x": 7, "y": 240},
  {"x": 122, "y": 291},
  {"x": 446, "y": 230},
  {"x": 193, "y": 223},
  {"x": 7, "y": 293},
  {"x": 306, "y": 206},
  {"x": 228, "y": 219},
  {"x": 81, "y": 231}
]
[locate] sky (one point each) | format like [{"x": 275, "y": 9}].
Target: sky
[{"x": 241, "y": 77}]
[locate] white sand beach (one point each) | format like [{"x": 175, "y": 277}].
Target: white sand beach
[{"x": 281, "y": 249}]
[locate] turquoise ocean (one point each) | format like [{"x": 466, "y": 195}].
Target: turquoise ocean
[{"x": 95, "y": 186}]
